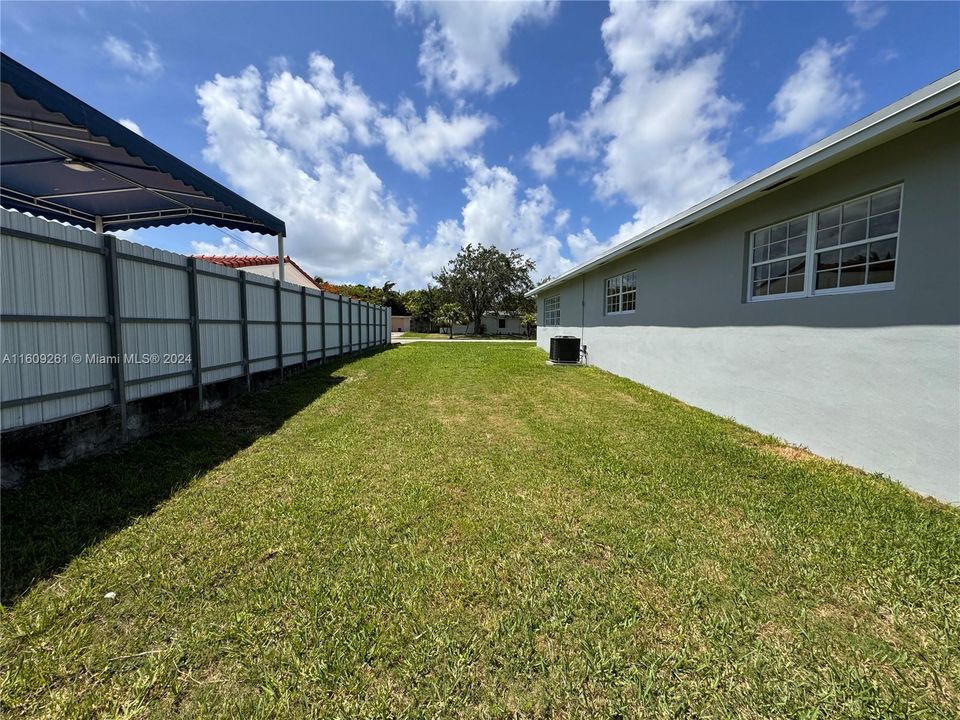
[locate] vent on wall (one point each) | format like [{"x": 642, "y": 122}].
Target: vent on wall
[
  {"x": 779, "y": 183},
  {"x": 941, "y": 111}
]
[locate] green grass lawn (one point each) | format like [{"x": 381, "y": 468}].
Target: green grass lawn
[{"x": 463, "y": 531}]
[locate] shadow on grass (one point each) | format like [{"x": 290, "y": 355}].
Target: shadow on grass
[{"x": 57, "y": 514}]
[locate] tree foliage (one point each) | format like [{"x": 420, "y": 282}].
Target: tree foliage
[
  {"x": 450, "y": 314},
  {"x": 383, "y": 295},
  {"x": 424, "y": 305},
  {"x": 482, "y": 278},
  {"x": 529, "y": 322}
]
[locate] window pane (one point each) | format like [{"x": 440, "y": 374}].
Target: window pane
[
  {"x": 630, "y": 281},
  {"x": 761, "y": 272},
  {"x": 828, "y": 218},
  {"x": 828, "y": 260},
  {"x": 778, "y": 286},
  {"x": 778, "y": 269},
  {"x": 760, "y": 253},
  {"x": 761, "y": 237},
  {"x": 881, "y": 272},
  {"x": 855, "y": 210},
  {"x": 798, "y": 227},
  {"x": 778, "y": 233},
  {"x": 885, "y": 201},
  {"x": 885, "y": 224},
  {"x": 883, "y": 250},
  {"x": 796, "y": 265},
  {"x": 853, "y": 276},
  {"x": 853, "y": 232},
  {"x": 797, "y": 245},
  {"x": 828, "y": 238},
  {"x": 856, "y": 255},
  {"x": 827, "y": 279},
  {"x": 795, "y": 283},
  {"x": 630, "y": 301},
  {"x": 760, "y": 288},
  {"x": 778, "y": 249}
]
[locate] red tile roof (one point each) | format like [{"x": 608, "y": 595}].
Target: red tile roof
[{"x": 241, "y": 261}]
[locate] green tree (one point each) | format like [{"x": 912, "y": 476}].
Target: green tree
[
  {"x": 450, "y": 314},
  {"x": 423, "y": 305},
  {"x": 529, "y": 322},
  {"x": 482, "y": 278}
]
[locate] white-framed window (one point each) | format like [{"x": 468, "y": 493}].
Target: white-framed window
[
  {"x": 849, "y": 247},
  {"x": 551, "y": 311},
  {"x": 621, "y": 293}
]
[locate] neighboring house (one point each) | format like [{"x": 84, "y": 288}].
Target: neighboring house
[
  {"x": 818, "y": 300},
  {"x": 494, "y": 323},
  {"x": 400, "y": 323},
  {"x": 266, "y": 265}
]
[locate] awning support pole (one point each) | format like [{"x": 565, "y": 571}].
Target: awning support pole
[{"x": 280, "y": 255}]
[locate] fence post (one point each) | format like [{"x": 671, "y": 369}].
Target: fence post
[
  {"x": 278, "y": 301},
  {"x": 350, "y": 322},
  {"x": 303, "y": 320},
  {"x": 323, "y": 327},
  {"x": 195, "y": 329},
  {"x": 116, "y": 326},
  {"x": 340, "y": 322},
  {"x": 244, "y": 340}
]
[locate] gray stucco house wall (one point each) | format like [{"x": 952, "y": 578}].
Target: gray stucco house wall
[{"x": 869, "y": 378}]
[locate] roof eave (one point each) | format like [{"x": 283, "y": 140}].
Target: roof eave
[{"x": 851, "y": 140}]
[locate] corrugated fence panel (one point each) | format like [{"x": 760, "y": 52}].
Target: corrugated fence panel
[
  {"x": 54, "y": 291},
  {"x": 154, "y": 307},
  {"x": 218, "y": 305},
  {"x": 314, "y": 329},
  {"x": 261, "y": 322},
  {"x": 364, "y": 325},
  {"x": 332, "y": 328},
  {"x": 45, "y": 349},
  {"x": 291, "y": 299}
]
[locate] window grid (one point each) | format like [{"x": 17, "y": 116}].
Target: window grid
[
  {"x": 621, "y": 293},
  {"x": 848, "y": 247},
  {"x": 551, "y": 311},
  {"x": 779, "y": 255}
]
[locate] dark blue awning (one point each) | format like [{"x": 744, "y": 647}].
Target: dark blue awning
[{"x": 64, "y": 160}]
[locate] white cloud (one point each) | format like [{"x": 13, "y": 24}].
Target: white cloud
[
  {"x": 656, "y": 127},
  {"x": 866, "y": 14},
  {"x": 123, "y": 55},
  {"x": 292, "y": 145},
  {"x": 815, "y": 96},
  {"x": 130, "y": 125},
  {"x": 561, "y": 219},
  {"x": 416, "y": 143},
  {"x": 340, "y": 219},
  {"x": 499, "y": 213},
  {"x": 465, "y": 44}
]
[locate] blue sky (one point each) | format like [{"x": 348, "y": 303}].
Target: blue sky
[{"x": 387, "y": 135}]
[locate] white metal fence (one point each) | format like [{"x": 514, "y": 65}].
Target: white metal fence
[{"x": 91, "y": 321}]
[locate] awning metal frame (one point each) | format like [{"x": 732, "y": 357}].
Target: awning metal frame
[{"x": 29, "y": 118}]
